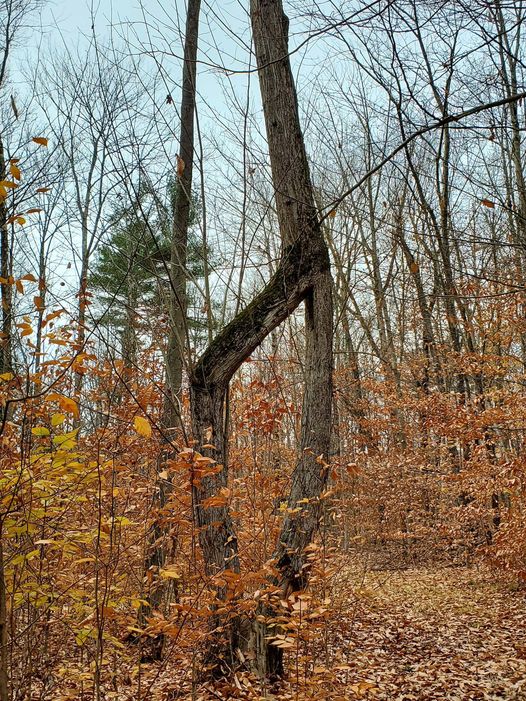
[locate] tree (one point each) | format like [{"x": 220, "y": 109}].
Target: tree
[
  {"x": 303, "y": 274},
  {"x": 13, "y": 15},
  {"x": 182, "y": 205},
  {"x": 131, "y": 269}
]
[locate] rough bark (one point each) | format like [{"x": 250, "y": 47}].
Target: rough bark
[
  {"x": 310, "y": 474},
  {"x": 302, "y": 274},
  {"x": 4, "y": 667}
]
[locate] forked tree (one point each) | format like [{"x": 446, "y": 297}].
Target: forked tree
[{"x": 303, "y": 275}]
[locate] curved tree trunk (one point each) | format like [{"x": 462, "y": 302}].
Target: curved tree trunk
[{"x": 302, "y": 274}]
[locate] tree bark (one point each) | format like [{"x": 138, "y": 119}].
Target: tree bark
[
  {"x": 303, "y": 273},
  {"x": 6, "y": 288},
  {"x": 181, "y": 211},
  {"x": 4, "y": 652},
  {"x": 182, "y": 197}
]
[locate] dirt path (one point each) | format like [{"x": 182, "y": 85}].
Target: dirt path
[
  {"x": 430, "y": 634},
  {"x": 452, "y": 633}
]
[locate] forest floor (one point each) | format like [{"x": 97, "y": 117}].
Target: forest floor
[
  {"x": 418, "y": 634},
  {"x": 455, "y": 633}
]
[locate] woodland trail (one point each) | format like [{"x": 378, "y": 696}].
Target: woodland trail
[
  {"x": 431, "y": 633},
  {"x": 450, "y": 633},
  {"x": 419, "y": 634}
]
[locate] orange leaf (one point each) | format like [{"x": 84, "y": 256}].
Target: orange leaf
[
  {"x": 16, "y": 219},
  {"x": 19, "y": 287},
  {"x": 39, "y": 303},
  {"x": 15, "y": 171},
  {"x": 180, "y": 166},
  {"x": 40, "y": 140},
  {"x": 52, "y": 316},
  {"x": 488, "y": 203},
  {"x": 70, "y": 405},
  {"x": 65, "y": 403},
  {"x": 43, "y": 189}
]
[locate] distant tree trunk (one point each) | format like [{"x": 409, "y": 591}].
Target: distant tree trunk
[
  {"x": 156, "y": 556},
  {"x": 428, "y": 334},
  {"x": 129, "y": 340},
  {"x": 303, "y": 273},
  {"x": 183, "y": 200},
  {"x": 82, "y": 305},
  {"x": 6, "y": 288},
  {"x": 4, "y": 652}
]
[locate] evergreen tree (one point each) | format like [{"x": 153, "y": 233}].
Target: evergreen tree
[{"x": 131, "y": 269}]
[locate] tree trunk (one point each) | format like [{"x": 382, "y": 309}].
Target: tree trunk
[
  {"x": 6, "y": 288},
  {"x": 4, "y": 652},
  {"x": 303, "y": 273},
  {"x": 181, "y": 212},
  {"x": 311, "y": 472},
  {"x": 182, "y": 197}
]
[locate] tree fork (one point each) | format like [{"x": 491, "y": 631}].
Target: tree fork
[{"x": 303, "y": 274}]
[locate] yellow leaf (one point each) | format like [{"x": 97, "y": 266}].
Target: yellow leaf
[
  {"x": 142, "y": 426},
  {"x": 40, "y": 431},
  {"x": 67, "y": 440},
  {"x": 169, "y": 573},
  {"x": 6, "y": 376},
  {"x": 40, "y": 140},
  {"x": 7, "y": 183},
  {"x": 57, "y": 419}
]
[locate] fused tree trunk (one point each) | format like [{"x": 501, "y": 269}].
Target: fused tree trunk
[{"x": 303, "y": 273}]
